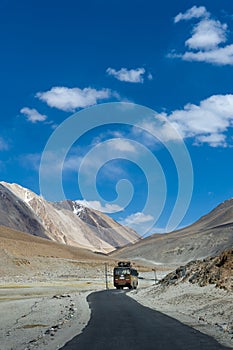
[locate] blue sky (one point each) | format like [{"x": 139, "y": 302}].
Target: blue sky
[{"x": 173, "y": 57}]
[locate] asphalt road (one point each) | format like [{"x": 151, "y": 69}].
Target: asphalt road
[{"x": 118, "y": 322}]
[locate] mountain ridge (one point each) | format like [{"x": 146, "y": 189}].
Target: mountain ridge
[
  {"x": 208, "y": 236},
  {"x": 60, "y": 223}
]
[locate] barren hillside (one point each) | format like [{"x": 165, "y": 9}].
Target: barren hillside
[
  {"x": 212, "y": 270},
  {"x": 209, "y": 236},
  {"x": 26, "y": 257},
  {"x": 65, "y": 222}
]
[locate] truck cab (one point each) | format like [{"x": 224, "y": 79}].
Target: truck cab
[{"x": 124, "y": 275}]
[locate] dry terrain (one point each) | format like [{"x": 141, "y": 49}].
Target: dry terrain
[
  {"x": 209, "y": 236},
  {"x": 44, "y": 284},
  {"x": 199, "y": 294},
  {"x": 43, "y": 290},
  {"x": 206, "y": 309}
]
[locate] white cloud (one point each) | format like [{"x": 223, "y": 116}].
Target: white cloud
[
  {"x": 128, "y": 75},
  {"x": 215, "y": 140},
  {"x": 3, "y": 145},
  {"x": 207, "y": 122},
  {"x": 120, "y": 144},
  {"x": 137, "y": 218},
  {"x": 139, "y": 221},
  {"x": 33, "y": 115},
  {"x": 106, "y": 208},
  {"x": 207, "y": 39},
  {"x": 218, "y": 56},
  {"x": 194, "y": 12},
  {"x": 69, "y": 99},
  {"x": 164, "y": 132},
  {"x": 207, "y": 34}
]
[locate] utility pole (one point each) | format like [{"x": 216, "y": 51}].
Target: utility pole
[
  {"x": 155, "y": 275},
  {"x": 106, "y": 275}
]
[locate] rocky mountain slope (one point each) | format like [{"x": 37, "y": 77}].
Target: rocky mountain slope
[
  {"x": 216, "y": 270},
  {"x": 16, "y": 214},
  {"x": 209, "y": 236},
  {"x": 66, "y": 222}
]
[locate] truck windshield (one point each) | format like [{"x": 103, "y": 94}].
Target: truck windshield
[{"x": 122, "y": 271}]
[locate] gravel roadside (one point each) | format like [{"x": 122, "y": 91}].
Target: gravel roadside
[{"x": 42, "y": 316}]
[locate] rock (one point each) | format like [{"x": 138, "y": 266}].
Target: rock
[
  {"x": 65, "y": 295},
  {"x": 61, "y": 296},
  {"x": 212, "y": 270},
  {"x": 73, "y": 309},
  {"x": 201, "y": 318},
  {"x": 56, "y": 297},
  {"x": 50, "y": 331},
  {"x": 223, "y": 327}
]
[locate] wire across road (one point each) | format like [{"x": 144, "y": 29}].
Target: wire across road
[{"x": 119, "y": 322}]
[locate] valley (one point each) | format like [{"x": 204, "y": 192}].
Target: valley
[{"x": 45, "y": 280}]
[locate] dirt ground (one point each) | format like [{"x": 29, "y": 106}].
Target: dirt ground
[{"x": 207, "y": 309}]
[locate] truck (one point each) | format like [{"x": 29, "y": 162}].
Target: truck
[{"x": 124, "y": 275}]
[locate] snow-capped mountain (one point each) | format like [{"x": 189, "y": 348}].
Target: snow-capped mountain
[{"x": 66, "y": 222}]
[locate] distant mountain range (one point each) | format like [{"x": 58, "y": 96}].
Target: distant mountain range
[
  {"x": 209, "y": 236},
  {"x": 71, "y": 223},
  {"x": 65, "y": 222}
]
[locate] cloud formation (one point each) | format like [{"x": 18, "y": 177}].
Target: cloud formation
[
  {"x": 137, "y": 218},
  {"x": 206, "y": 122},
  {"x": 33, "y": 115},
  {"x": 122, "y": 145},
  {"x": 194, "y": 12},
  {"x": 218, "y": 56},
  {"x": 138, "y": 221},
  {"x": 129, "y": 75},
  {"x": 70, "y": 99},
  {"x": 208, "y": 36}
]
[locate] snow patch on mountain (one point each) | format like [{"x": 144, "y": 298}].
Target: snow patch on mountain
[
  {"x": 78, "y": 208},
  {"x": 71, "y": 223}
]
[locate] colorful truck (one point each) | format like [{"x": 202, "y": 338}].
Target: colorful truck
[{"x": 124, "y": 275}]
